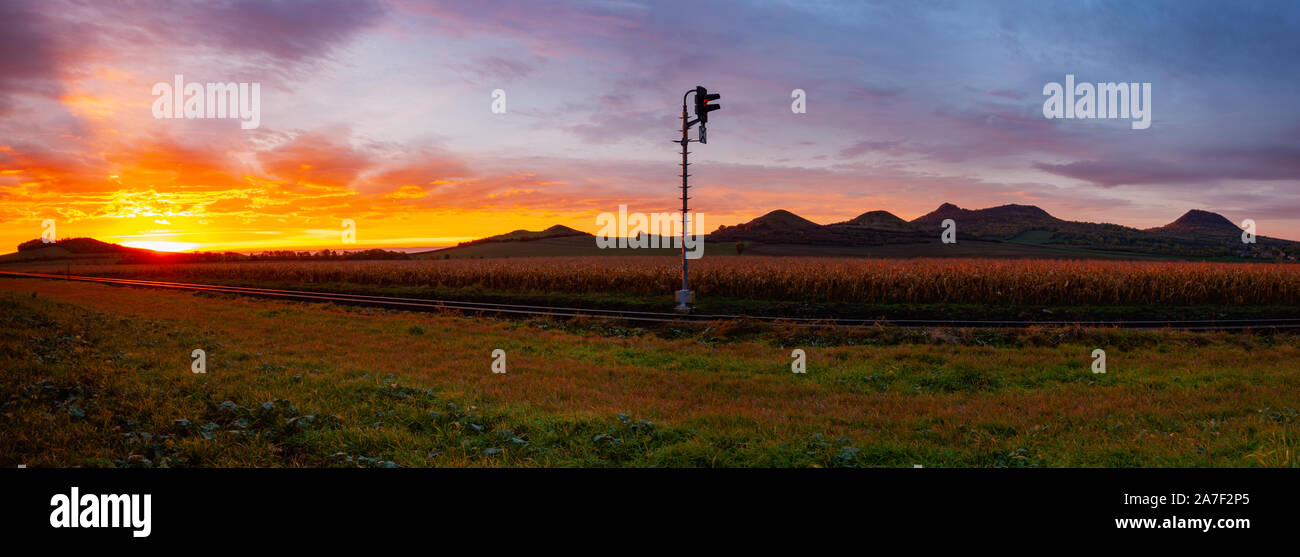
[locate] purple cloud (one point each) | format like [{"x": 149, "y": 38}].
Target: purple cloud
[{"x": 1263, "y": 163}]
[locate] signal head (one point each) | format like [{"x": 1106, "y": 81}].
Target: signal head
[{"x": 704, "y": 103}]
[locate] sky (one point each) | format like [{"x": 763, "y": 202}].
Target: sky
[{"x": 382, "y": 112}]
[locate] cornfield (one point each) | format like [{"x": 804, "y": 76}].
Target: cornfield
[{"x": 1010, "y": 282}]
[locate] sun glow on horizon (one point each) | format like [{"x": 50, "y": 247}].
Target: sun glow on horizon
[{"x": 159, "y": 245}]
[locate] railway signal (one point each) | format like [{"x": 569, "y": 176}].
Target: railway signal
[{"x": 704, "y": 104}]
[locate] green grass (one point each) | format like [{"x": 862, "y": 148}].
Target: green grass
[{"x": 100, "y": 376}]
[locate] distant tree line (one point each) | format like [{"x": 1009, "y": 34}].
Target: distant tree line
[
  {"x": 272, "y": 255},
  {"x": 84, "y": 246}
]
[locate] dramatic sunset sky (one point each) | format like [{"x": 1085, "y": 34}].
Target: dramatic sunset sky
[{"x": 380, "y": 112}]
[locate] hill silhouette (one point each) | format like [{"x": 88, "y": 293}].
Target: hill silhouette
[
  {"x": 1024, "y": 213},
  {"x": 557, "y": 231},
  {"x": 1197, "y": 221},
  {"x": 875, "y": 220},
  {"x": 76, "y": 245},
  {"x": 779, "y": 226},
  {"x": 86, "y": 249}
]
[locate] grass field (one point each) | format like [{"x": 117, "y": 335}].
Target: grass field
[{"x": 100, "y": 376}]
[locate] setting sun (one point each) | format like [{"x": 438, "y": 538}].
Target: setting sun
[{"x": 159, "y": 245}]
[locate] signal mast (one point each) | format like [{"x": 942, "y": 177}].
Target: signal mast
[{"x": 704, "y": 104}]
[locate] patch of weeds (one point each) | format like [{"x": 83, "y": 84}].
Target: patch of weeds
[
  {"x": 837, "y": 454},
  {"x": 1018, "y": 458},
  {"x": 346, "y": 460},
  {"x": 585, "y": 325},
  {"x": 957, "y": 379},
  {"x": 1285, "y": 415},
  {"x": 74, "y": 399}
]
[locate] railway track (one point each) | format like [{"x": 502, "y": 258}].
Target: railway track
[{"x": 517, "y": 310}]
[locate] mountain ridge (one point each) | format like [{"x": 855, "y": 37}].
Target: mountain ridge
[
  {"x": 949, "y": 210},
  {"x": 1198, "y": 233}
]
